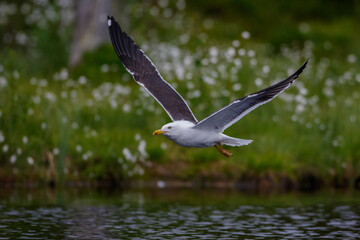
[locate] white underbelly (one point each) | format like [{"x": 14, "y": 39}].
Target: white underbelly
[{"x": 198, "y": 138}]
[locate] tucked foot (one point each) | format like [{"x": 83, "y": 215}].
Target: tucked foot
[{"x": 226, "y": 153}]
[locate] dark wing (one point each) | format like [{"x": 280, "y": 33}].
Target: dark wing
[
  {"x": 233, "y": 112},
  {"x": 145, "y": 73}
]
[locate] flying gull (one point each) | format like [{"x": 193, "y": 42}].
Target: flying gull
[{"x": 185, "y": 129}]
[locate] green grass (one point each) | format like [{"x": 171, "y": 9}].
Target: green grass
[{"x": 101, "y": 128}]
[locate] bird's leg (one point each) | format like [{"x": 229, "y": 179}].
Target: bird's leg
[{"x": 223, "y": 151}]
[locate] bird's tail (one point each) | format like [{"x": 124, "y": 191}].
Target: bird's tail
[{"x": 235, "y": 142}]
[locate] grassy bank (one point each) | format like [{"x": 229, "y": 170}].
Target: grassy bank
[{"x": 94, "y": 123}]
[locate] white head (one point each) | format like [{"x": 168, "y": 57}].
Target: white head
[{"x": 174, "y": 129}]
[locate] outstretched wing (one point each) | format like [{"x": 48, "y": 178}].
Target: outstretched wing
[
  {"x": 145, "y": 73},
  {"x": 233, "y": 112}
]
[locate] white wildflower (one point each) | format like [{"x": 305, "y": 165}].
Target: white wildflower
[
  {"x": 188, "y": 60},
  {"x": 236, "y": 87},
  {"x": 328, "y": 91},
  {"x": 21, "y": 38},
  {"x": 351, "y": 58},
  {"x": 13, "y": 159},
  {"x": 30, "y": 161},
  {"x": 16, "y": 74},
  {"x": 43, "y": 83},
  {"x": 142, "y": 148},
  {"x": 258, "y": 82},
  {"x": 113, "y": 103},
  {"x": 64, "y": 74},
  {"x": 30, "y": 111},
  {"x": 128, "y": 156},
  {"x": 82, "y": 80},
  {"x": 209, "y": 80},
  {"x": 238, "y": 62},
  {"x": 104, "y": 68},
  {"x": 56, "y": 151},
  {"x": 87, "y": 155},
  {"x": 73, "y": 94},
  {"x": 213, "y": 51},
  {"x": 300, "y": 108},
  {"x": 205, "y": 61},
  {"x": 245, "y": 35},
  {"x": 50, "y": 96},
  {"x": 75, "y": 125},
  {"x": 19, "y": 151},
  {"x": 251, "y": 53},
  {"x": 126, "y": 107},
  {"x": 3, "y": 81},
  {"x": 140, "y": 170},
  {"x": 190, "y": 85},
  {"x": 236, "y": 43},
  {"x": 36, "y": 99},
  {"x": 266, "y": 69},
  {"x": 78, "y": 148},
  {"x": 253, "y": 62},
  {"x": 230, "y": 53},
  {"x": 137, "y": 137},
  {"x": 160, "y": 184},
  {"x": 163, "y": 146},
  {"x": 89, "y": 103},
  {"x": 5, "y": 148},
  {"x": 194, "y": 94},
  {"x": 357, "y": 77},
  {"x": 242, "y": 52},
  {"x": 301, "y": 99}
]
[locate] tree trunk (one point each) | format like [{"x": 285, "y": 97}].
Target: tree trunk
[{"x": 90, "y": 27}]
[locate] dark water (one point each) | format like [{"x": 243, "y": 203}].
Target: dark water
[{"x": 181, "y": 214}]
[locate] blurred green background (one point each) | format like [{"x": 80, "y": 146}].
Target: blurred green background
[{"x": 69, "y": 111}]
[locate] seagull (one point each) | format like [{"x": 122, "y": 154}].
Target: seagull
[{"x": 185, "y": 129}]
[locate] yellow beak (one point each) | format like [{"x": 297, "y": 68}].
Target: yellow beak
[{"x": 157, "y": 132}]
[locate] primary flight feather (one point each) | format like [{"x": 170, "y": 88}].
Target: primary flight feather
[{"x": 185, "y": 129}]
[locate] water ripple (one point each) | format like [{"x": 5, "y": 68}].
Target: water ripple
[{"x": 153, "y": 220}]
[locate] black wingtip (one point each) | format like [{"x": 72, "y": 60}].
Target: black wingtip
[
  {"x": 109, "y": 20},
  {"x": 304, "y": 64},
  {"x": 112, "y": 22},
  {"x": 300, "y": 70}
]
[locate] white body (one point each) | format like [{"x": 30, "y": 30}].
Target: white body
[{"x": 183, "y": 133}]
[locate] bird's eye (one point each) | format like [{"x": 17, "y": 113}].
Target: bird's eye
[{"x": 169, "y": 127}]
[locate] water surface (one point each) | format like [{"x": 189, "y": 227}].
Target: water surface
[{"x": 176, "y": 214}]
